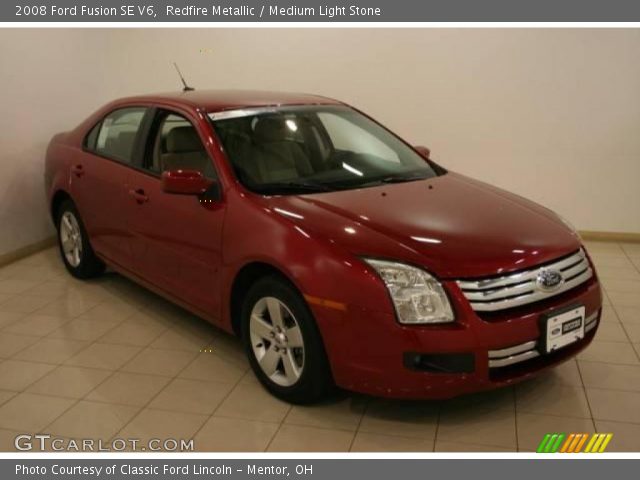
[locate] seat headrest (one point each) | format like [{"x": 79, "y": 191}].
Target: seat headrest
[
  {"x": 183, "y": 139},
  {"x": 270, "y": 129}
]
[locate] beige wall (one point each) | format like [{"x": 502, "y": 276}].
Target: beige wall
[{"x": 553, "y": 115}]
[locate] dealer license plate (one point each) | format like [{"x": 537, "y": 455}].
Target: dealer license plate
[{"x": 563, "y": 329}]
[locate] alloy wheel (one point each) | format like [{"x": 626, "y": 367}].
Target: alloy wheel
[
  {"x": 276, "y": 340},
  {"x": 71, "y": 239}
]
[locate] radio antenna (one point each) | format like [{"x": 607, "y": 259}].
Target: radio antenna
[{"x": 186, "y": 88}]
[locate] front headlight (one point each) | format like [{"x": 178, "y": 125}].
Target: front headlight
[{"x": 417, "y": 296}]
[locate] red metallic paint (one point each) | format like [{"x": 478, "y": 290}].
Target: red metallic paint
[{"x": 191, "y": 252}]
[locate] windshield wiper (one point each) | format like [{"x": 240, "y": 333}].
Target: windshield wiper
[
  {"x": 274, "y": 187},
  {"x": 401, "y": 178}
]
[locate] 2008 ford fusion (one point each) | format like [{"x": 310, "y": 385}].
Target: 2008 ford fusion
[{"x": 339, "y": 253}]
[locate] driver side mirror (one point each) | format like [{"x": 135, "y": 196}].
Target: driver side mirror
[
  {"x": 185, "y": 182},
  {"x": 423, "y": 151}
]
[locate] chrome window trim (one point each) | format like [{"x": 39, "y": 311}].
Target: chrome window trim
[{"x": 488, "y": 295}]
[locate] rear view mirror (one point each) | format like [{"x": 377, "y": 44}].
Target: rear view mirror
[
  {"x": 423, "y": 151},
  {"x": 185, "y": 182}
]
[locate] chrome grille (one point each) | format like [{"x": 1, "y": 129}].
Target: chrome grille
[
  {"x": 525, "y": 351},
  {"x": 500, "y": 293}
]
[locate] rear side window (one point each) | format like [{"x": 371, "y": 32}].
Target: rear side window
[{"x": 115, "y": 136}]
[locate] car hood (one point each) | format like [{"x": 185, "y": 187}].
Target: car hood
[{"x": 454, "y": 226}]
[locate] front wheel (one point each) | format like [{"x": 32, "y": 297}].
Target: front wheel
[
  {"x": 283, "y": 342},
  {"x": 73, "y": 241}
]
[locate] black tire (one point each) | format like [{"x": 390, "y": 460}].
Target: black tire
[
  {"x": 315, "y": 381},
  {"x": 89, "y": 265}
]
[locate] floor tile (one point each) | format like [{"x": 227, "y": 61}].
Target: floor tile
[
  {"x": 8, "y": 439},
  {"x": 234, "y": 435},
  {"x": 633, "y": 331},
  {"x": 191, "y": 396},
  {"x": 36, "y": 325},
  {"x": 609, "y": 315},
  {"x": 375, "y": 442},
  {"x": 611, "y": 260},
  {"x": 92, "y": 420},
  {"x": 211, "y": 367},
  {"x": 546, "y": 397},
  {"x": 532, "y": 428},
  {"x": 15, "y": 286},
  {"x": 183, "y": 339},
  {"x": 619, "y": 273},
  {"x": 128, "y": 389},
  {"x": 337, "y": 414},
  {"x": 407, "y": 419},
  {"x": 566, "y": 373},
  {"x": 5, "y": 396},
  {"x": 103, "y": 355},
  {"x": 115, "y": 312},
  {"x": 67, "y": 307},
  {"x": 17, "y": 375},
  {"x": 24, "y": 304},
  {"x": 159, "y": 362},
  {"x": 251, "y": 402},
  {"x": 622, "y": 286},
  {"x": 293, "y": 438},
  {"x": 9, "y": 318},
  {"x": 628, "y": 315},
  {"x": 624, "y": 299},
  {"x": 609, "y": 352},
  {"x": 611, "y": 332},
  {"x": 614, "y": 405},
  {"x": 11, "y": 344},
  {"x": 631, "y": 249},
  {"x": 610, "y": 376},
  {"x": 28, "y": 412},
  {"x": 157, "y": 424},
  {"x": 485, "y": 423},
  {"x": 83, "y": 329},
  {"x": 469, "y": 447},
  {"x": 72, "y": 382},
  {"x": 51, "y": 350},
  {"x": 133, "y": 333}
]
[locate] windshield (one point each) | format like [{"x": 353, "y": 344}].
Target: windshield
[{"x": 313, "y": 149}]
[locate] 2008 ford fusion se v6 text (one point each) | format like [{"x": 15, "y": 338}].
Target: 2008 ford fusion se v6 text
[{"x": 340, "y": 254}]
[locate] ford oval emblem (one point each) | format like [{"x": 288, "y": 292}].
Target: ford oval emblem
[{"x": 549, "y": 280}]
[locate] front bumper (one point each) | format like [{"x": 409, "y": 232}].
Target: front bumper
[{"x": 370, "y": 352}]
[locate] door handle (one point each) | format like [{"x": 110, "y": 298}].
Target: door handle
[
  {"x": 77, "y": 170},
  {"x": 139, "y": 195}
]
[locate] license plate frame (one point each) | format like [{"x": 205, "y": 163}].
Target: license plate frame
[{"x": 561, "y": 328}]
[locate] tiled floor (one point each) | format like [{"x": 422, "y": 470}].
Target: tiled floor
[{"x": 106, "y": 359}]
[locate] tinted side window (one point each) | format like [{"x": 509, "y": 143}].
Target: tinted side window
[
  {"x": 117, "y": 136},
  {"x": 177, "y": 146}
]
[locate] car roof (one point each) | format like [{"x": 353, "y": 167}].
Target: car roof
[{"x": 218, "y": 100}]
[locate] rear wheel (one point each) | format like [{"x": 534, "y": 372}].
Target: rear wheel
[
  {"x": 75, "y": 249},
  {"x": 283, "y": 342}
]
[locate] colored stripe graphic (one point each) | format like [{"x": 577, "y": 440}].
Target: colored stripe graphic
[
  {"x": 574, "y": 443},
  {"x": 567, "y": 442},
  {"x": 543, "y": 443},
  {"x": 607, "y": 439},
  {"x": 581, "y": 443}
]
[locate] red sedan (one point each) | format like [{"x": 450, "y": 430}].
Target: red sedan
[{"x": 338, "y": 252}]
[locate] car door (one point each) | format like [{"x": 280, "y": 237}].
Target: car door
[
  {"x": 99, "y": 177},
  {"x": 176, "y": 239}
]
